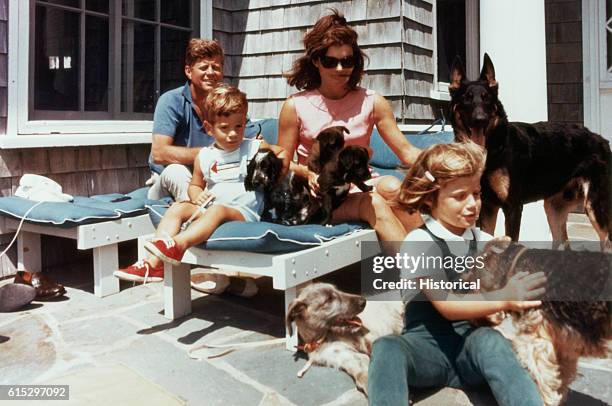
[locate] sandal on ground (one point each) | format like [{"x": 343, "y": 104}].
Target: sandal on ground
[
  {"x": 46, "y": 288},
  {"x": 211, "y": 283}
]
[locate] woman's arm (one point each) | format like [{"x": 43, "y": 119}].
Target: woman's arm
[
  {"x": 278, "y": 151},
  {"x": 390, "y": 132},
  {"x": 288, "y": 139},
  {"x": 288, "y": 133}
]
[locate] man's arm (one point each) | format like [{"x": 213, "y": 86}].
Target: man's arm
[{"x": 164, "y": 153}]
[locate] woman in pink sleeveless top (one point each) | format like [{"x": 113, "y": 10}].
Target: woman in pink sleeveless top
[{"x": 329, "y": 73}]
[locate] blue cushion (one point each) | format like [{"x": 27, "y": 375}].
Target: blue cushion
[
  {"x": 383, "y": 156},
  {"x": 398, "y": 173},
  {"x": 265, "y": 237},
  {"x": 82, "y": 210},
  {"x": 268, "y": 128}
]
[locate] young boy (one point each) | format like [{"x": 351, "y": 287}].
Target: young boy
[{"x": 219, "y": 172}]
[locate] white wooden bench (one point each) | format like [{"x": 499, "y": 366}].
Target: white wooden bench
[
  {"x": 103, "y": 237},
  {"x": 288, "y": 271}
]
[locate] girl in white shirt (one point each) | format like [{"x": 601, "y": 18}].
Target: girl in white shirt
[{"x": 439, "y": 347}]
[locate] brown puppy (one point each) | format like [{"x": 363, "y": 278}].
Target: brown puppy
[{"x": 326, "y": 148}]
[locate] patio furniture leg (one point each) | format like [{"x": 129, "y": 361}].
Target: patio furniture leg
[
  {"x": 28, "y": 252},
  {"x": 177, "y": 291},
  {"x": 292, "y": 340},
  {"x": 142, "y": 253},
  {"x": 105, "y": 262}
]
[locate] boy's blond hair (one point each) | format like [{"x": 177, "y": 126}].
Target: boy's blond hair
[
  {"x": 223, "y": 101},
  {"x": 436, "y": 166},
  {"x": 200, "y": 48}
]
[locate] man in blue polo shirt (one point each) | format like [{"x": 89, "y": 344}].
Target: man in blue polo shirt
[{"x": 178, "y": 132}]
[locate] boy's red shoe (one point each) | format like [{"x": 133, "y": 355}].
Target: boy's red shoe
[
  {"x": 141, "y": 271},
  {"x": 165, "y": 249}
]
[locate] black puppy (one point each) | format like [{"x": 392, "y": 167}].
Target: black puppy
[
  {"x": 351, "y": 166},
  {"x": 326, "y": 148},
  {"x": 287, "y": 202},
  {"x": 560, "y": 163},
  {"x": 263, "y": 171},
  {"x": 290, "y": 203}
]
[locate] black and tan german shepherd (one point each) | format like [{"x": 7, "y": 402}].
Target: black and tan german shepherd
[{"x": 561, "y": 163}]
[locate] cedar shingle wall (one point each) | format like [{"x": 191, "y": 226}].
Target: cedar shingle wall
[
  {"x": 81, "y": 171},
  {"x": 262, "y": 39},
  {"x": 564, "y": 60}
]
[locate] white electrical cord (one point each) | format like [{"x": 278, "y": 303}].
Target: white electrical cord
[{"x": 19, "y": 228}]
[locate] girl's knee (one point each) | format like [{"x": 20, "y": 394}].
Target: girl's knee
[
  {"x": 388, "y": 348},
  {"x": 486, "y": 340},
  {"x": 388, "y": 187},
  {"x": 378, "y": 203}
]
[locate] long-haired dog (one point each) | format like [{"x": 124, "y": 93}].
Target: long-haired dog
[
  {"x": 563, "y": 164},
  {"x": 338, "y": 328},
  {"x": 549, "y": 339}
]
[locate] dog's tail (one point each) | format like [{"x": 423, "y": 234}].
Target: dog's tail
[{"x": 598, "y": 198}]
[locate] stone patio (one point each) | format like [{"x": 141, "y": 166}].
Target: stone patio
[{"x": 84, "y": 336}]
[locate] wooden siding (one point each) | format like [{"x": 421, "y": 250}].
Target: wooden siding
[
  {"x": 262, "y": 38},
  {"x": 564, "y": 61},
  {"x": 81, "y": 171}
]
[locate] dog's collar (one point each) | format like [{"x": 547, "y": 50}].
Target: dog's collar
[{"x": 311, "y": 346}]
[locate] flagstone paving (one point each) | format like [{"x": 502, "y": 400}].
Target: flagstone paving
[{"x": 49, "y": 340}]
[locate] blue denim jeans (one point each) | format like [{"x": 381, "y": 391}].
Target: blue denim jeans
[{"x": 447, "y": 354}]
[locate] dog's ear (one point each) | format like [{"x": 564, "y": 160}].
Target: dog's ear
[
  {"x": 277, "y": 169},
  {"x": 488, "y": 71},
  {"x": 457, "y": 74},
  {"x": 346, "y": 130},
  {"x": 248, "y": 180},
  {"x": 293, "y": 312}
]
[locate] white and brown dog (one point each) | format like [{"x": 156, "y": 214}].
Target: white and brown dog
[{"x": 338, "y": 328}]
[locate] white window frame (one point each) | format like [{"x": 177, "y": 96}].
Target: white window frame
[
  {"x": 23, "y": 133},
  {"x": 606, "y": 75},
  {"x": 472, "y": 47}
]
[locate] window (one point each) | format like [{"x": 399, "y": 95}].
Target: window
[
  {"x": 456, "y": 34},
  {"x": 106, "y": 59}
]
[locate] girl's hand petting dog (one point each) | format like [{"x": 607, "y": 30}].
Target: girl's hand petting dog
[{"x": 522, "y": 290}]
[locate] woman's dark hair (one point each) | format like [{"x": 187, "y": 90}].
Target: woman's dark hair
[{"x": 329, "y": 30}]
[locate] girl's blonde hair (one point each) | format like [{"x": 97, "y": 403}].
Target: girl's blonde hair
[{"x": 436, "y": 166}]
